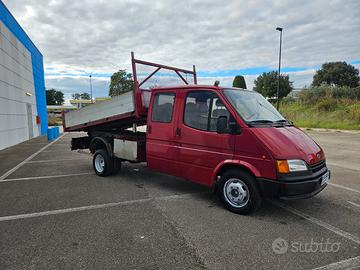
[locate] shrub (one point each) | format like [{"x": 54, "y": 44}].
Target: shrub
[
  {"x": 327, "y": 103},
  {"x": 354, "y": 112},
  {"x": 287, "y": 100},
  {"x": 54, "y": 121},
  {"x": 313, "y": 95}
]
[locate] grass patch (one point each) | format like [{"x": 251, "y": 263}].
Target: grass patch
[
  {"x": 54, "y": 121},
  {"x": 328, "y": 113}
]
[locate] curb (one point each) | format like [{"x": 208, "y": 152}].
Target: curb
[{"x": 331, "y": 130}]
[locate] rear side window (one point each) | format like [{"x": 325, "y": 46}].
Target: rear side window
[{"x": 163, "y": 107}]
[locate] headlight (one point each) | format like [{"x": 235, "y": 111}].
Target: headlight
[{"x": 292, "y": 165}]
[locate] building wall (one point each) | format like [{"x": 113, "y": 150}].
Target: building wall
[{"x": 22, "y": 87}]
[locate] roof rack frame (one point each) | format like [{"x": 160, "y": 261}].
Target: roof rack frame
[{"x": 137, "y": 92}]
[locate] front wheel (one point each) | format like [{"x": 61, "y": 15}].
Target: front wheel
[
  {"x": 102, "y": 163},
  {"x": 239, "y": 192}
]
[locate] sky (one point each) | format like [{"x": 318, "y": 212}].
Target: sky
[{"x": 222, "y": 38}]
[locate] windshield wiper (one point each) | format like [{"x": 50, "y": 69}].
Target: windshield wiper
[
  {"x": 261, "y": 121},
  {"x": 279, "y": 123},
  {"x": 286, "y": 122}
]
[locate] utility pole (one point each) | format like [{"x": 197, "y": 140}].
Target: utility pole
[
  {"x": 91, "y": 96},
  {"x": 278, "y": 82}
]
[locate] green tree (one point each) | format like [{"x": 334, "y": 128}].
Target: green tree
[
  {"x": 85, "y": 95},
  {"x": 76, "y": 96},
  {"x": 239, "y": 81},
  {"x": 266, "y": 84},
  {"x": 54, "y": 97},
  {"x": 337, "y": 74},
  {"x": 121, "y": 82},
  {"x": 79, "y": 96}
]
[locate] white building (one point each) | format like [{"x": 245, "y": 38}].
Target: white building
[{"x": 22, "y": 89}]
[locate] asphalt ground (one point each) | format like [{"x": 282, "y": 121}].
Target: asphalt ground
[{"x": 55, "y": 213}]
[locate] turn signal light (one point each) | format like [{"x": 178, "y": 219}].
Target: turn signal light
[{"x": 282, "y": 166}]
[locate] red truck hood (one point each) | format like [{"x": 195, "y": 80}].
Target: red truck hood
[{"x": 290, "y": 143}]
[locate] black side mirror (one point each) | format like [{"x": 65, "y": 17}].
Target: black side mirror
[
  {"x": 221, "y": 124},
  {"x": 234, "y": 128}
]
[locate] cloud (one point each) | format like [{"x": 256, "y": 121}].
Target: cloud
[{"x": 83, "y": 37}]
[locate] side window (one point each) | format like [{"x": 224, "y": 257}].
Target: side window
[
  {"x": 163, "y": 107},
  {"x": 202, "y": 110}
]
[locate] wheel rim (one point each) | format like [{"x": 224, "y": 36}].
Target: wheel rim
[
  {"x": 236, "y": 192},
  {"x": 99, "y": 163}
]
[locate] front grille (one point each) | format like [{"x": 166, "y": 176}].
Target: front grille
[{"x": 317, "y": 166}]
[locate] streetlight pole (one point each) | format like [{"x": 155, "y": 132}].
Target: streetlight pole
[
  {"x": 278, "y": 81},
  {"x": 91, "y": 89}
]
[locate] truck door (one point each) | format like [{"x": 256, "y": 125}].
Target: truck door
[
  {"x": 160, "y": 137},
  {"x": 200, "y": 147}
]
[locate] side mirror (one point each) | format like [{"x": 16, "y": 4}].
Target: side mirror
[
  {"x": 234, "y": 128},
  {"x": 221, "y": 124}
]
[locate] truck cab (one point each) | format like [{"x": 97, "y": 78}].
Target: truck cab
[{"x": 235, "y": 141}]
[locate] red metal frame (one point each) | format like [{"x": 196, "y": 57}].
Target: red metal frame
[
  {"x": 140, "y": 113},
  {"x": 139, "y": 108}
]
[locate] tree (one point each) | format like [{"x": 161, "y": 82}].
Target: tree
[
  {"x": 120, "y": 82},
  {"x": 76, "y": 96},
  {"x": 266, "y": 84},
  {"x": 337, "y": 74},
  {"x": 85, "y": 95},
  {"x": 54, "y": 97},
  {"x": 239, "y": 81},
  {"x": 79, "y": 96}
]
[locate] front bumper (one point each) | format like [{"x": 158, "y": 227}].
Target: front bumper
[{"x": 294, "y": 186}]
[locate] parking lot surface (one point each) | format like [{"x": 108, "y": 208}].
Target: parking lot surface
[{"x": 55, "y": 213}]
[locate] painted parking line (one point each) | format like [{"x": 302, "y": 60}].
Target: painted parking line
[
  {"x": 352, "y": 263},
  {"x": 58, "y": 151},
  {"x": 346, "y": 188},
  {"x": 319, "y": 222},
  {"x": 345, "y": 166},
  {"x": 29, "y": 158},
  {"x": 56, "y": 160},
  {"x": 354, "y": 204},
  {"x": 45, "y": 177},
  {"x": 92, "y": 207}
]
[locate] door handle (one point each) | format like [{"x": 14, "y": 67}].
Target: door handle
[
  {"x": 149, "y": 129},
  {"x": 178, "y": 132}
]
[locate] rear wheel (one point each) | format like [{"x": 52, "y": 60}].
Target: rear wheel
[
  {"x": 239, "y": 192},
  {"x": 103, "y": 164},
  {"x": 116, "y": 165}
]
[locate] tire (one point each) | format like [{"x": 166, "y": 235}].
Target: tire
[
  {"x": 239, "y": 192},
  {"x": 116, "y": 165},
  {"x": 103, "y": 164}
]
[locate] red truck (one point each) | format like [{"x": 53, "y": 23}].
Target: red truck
[{"x": 229, "y": 139}]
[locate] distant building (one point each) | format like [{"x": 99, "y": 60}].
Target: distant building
[
  {"x": 22, "y": 88},
  {"x": 79, "y": 103},
  {"x": 56, "y": 110}
]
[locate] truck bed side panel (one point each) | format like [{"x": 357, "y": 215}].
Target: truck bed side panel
[{"x": 122, "y": 104}]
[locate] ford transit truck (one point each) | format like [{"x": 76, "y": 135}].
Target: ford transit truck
[{"x": 229, "y": 139}]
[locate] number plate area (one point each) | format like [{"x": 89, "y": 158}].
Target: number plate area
[{"x": 325, "y": 178}]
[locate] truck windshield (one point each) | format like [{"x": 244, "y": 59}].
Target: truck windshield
[{"x": 253, "y": 107}]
